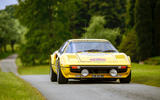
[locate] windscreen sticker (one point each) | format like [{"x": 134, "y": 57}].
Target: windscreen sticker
[
  {"x": 97, "y": 59},
  {"x": 94, "y": 54}
]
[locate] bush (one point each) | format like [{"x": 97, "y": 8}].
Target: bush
[
  {"x": 128, "y": 45},
  {"x": 25, "y": 55},
  {"x": 96, "y": 29},
  {"x": 153, "y": 60}
]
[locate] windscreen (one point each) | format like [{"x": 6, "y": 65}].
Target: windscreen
[{"x": 75, "y": 47}]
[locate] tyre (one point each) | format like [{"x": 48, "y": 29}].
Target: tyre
[
  {"x": 60, "y": 78},
  {"x": 53, "y": 76},
  {"x": 126, "y": 80}
]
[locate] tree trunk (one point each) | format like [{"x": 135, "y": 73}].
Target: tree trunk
[{"x": 12, "y": 45}]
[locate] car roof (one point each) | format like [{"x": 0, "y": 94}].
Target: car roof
[{"x": 88, "y": 40}]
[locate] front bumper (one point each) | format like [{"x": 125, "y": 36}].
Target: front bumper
[{"x": 94, "y": 72}]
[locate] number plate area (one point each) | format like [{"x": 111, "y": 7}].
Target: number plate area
[{"x": 97, "y": 76}]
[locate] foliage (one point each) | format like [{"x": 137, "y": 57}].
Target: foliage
[
  {"x": 143, "y": 28},
  {"x": 10, "y": 29},
  {"x": 49, "y": 25},
  {"x": 112, "y": 10},
  {"x": 51, "y": 22},
  {"x": 5, "y": 54},
  {"x": 96, "y": 30},
  {"x": 156, "y": 27},
  {"x": 79, "y": 17},
  {"x": 145, "y": 25},
  {"x": 153, "y": 60},
  {"x": 146, "y": 28},
  {"x": 130, "y": 14},
  {"x": 146, "y": 74},
  {"x": 128, "y": 45}
]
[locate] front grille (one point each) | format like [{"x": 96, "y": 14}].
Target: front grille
[{"x": 98, "y": 69}]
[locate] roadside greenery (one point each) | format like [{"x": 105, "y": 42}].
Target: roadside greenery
[
  {"x": 52, "y": 22},
  {"x": 96, "y": 29},
  {"x": 5, "y": 54},
  {"x": 153, "y": 60},
  {"x": 8, "y": 51},
  {"x": 41, "y": 26},
  {"x": 14, "y": 88},
  {"x": 146, "y": 74},
  {"x": 128, "y": 45},
  {"x": 31, "y": 70},
  {"x": 10, "y": 29}
]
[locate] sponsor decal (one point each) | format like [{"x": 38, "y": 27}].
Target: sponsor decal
[
  {"x": 94, "y": 54},
  {"x": 97, "y": 59}
]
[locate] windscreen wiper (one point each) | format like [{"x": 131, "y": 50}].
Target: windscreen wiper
[
  {"x": 93, "y": 50},
  {"x": 109, "y": 51}
]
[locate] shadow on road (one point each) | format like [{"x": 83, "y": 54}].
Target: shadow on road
[{"x": 92, "y": 82}]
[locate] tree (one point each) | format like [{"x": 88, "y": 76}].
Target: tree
[
  {"x": 49, "y": 25},
  {"x": 143, "y": 27},
  {"x": 106, "y": 8},
  {"x": 8, "y": 30},
  {"x": 51, "y": 22},
  {"x": 130, "y": 18},
  {"x": 129, "y": 44},
  {"x": 156, "y": 27},
  {"x": 147, "y": 28},
  {"x": 96, "y": 29},
  {"x": 80, "y": 18}
]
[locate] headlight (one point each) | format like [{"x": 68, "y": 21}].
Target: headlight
[
  {"x": 113, "y": 72},
  {"x": 84, "y": 72}
]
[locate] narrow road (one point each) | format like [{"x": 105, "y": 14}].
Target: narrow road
[
  {"x": 9, "y": 65},
  {"x": 76, "y": 90}
]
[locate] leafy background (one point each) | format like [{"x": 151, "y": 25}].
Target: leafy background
[{"x": 39, "y": 27}]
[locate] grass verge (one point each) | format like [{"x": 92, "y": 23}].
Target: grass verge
[
  {"x": 31, "y": 70},
  {"x": 146, "y": 74},
  {"x": 14, "y": 88}
]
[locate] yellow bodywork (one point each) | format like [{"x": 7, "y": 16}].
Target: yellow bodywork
[{"x": 85, "y": 58}]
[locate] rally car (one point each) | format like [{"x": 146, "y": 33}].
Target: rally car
[{"x": 89, "y": 59}]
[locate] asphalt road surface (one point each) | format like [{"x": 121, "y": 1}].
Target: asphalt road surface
[
  {"x": 8, "y": 64},
  {"x": 76, "y": 90}
]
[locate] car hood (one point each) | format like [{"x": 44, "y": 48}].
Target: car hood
[{"x": 95, "y": 59}]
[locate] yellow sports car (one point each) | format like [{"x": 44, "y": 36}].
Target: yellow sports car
[{"x": 89, "y": 59}]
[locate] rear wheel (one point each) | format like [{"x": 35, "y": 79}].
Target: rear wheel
[
  {"x": 60, "y": 78},
  {"x": 53, "y": 76},
  {"x": 126, "y": 80}
]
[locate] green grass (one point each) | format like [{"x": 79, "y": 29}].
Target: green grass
[
  {"x": 146, "y": 74},
  {"x": 14, "y": 88},
  {"x": 31, "y": 70}
]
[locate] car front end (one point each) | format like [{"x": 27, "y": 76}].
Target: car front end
[{"x": 95, "y": 66}]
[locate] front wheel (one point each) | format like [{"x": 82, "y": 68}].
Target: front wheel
[
  {"x": 126, "y": 80},
  {"x": 53, "y": 76},
  {"x": 60, "y": 78}
]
